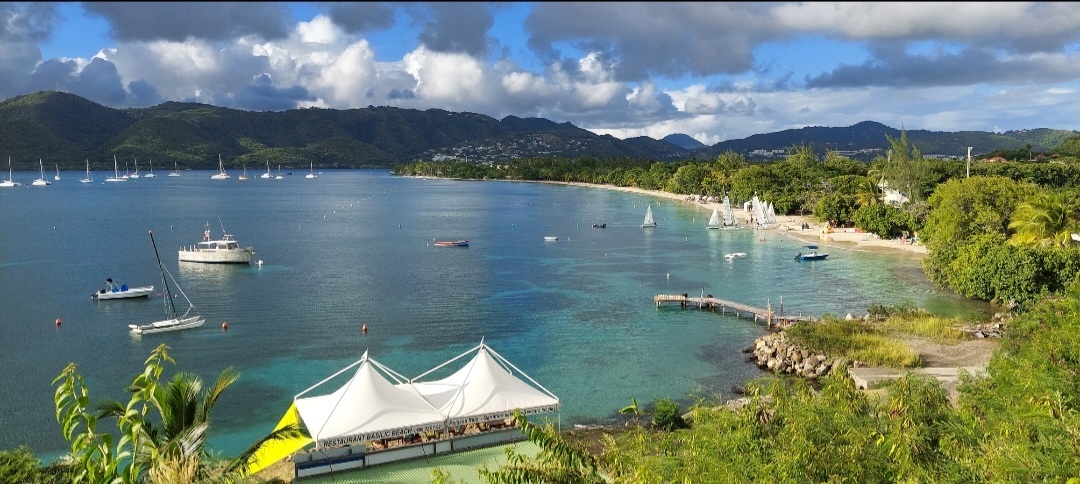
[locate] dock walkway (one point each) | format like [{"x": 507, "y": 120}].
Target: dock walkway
[{"x": 740, "y": 310}]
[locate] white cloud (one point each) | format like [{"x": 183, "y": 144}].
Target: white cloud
[{"x": 320, "y": 30}]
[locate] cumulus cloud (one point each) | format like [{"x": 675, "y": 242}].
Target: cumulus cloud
[{"x": 626, "y": 69}]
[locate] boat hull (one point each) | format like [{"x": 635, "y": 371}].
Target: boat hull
[
  {"x": 454, "y": 243},
  {"x": 168, "y": 325},
  {"x": 811, "y": 257},
  {"x": 217, "y": 256},
  {"x": 143, "y": 291}
]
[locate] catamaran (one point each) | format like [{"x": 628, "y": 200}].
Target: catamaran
[
  {"x": 649, "y": 222},
  {"x": 172, "y": 321},
  {"x": 89, "y": 178},
  {"x": 221, "y": 175},
  {"x": 116, "y": 172},
  {"x": 151, "y": 174},
  {"x": 40, "y": 182}
]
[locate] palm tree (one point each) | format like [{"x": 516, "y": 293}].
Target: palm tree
[
  {"x": 171, "y": 448},
  {"x": 867, "y": 192},
  {"x": 1044, "y": 221}
]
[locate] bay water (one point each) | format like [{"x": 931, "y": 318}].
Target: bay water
[{"x": 354, "y": 247}]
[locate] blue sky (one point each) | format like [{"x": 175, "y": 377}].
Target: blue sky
[{"x": 715, "y": 71}]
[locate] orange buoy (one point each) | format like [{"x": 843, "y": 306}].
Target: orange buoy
[
  {"x": 58, "y": 322},
  {"x": 224, "y": 325},
  {"x": 364, "y": 329}
]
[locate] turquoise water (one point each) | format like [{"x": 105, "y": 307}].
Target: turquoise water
[{"x": 353, "y": 247}]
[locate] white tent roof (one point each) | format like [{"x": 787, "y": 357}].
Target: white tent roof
[
  {"x": 484, "y": 389},
  {"x": 369, "y": 406},
  {"x": 366, "y": 407}
]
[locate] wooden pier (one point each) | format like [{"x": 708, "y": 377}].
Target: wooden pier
[{"x": 765, "y": 314}]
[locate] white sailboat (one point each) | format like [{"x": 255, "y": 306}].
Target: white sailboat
[
  {"x": 173, "y": 321},
  {"x": 244, "y": 176},
  {"x": 40, "y": 182},
  {"x": 279, "y": 177},
  {"x": 116, "y": 172},
  {"x": 57, "y": 176},
  {"x": 649, "y": 222},
  {"x": 89, "y": 178},
  {"x": 9, "y": 182},
  {"x": 221, "y": 175},
  {"x": 714, "y": 220},
  {"x": 151, "y": 174},
  {"x": 136, "y": 174},
  {"x": 175, "y": 171},
  {"x": 267, "y": 175},
  {"x": 312, "y": 173},
  {"x": 729, "y": 214}
]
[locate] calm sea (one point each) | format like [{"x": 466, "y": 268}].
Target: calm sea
[{"x": 353, "y": 247}]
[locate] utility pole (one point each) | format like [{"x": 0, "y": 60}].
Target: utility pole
[{"x": 969, "y": 163}]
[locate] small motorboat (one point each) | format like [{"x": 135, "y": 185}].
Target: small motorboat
[
  {"x": 451, "y": 243},
  {"x": 551, "y": 238},
  {"x": 599, "y": 226},
  {"x": 121, "y": 291},
  {"x": 735, "y": 255},
  {"x": 813, "y": 255}
]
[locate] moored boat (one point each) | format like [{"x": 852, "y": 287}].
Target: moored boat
[
  {"x": 113, "y": 290},
  {"x": 223, "y": 251},
  {"x": 451, "y": 243},
  {"x": 173, "y": 321}
]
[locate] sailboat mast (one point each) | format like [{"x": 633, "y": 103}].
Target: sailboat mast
[{"x": 170, "y": 312}]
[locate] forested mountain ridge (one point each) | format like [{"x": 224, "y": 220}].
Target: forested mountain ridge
[{"x": 66, "y": 129}]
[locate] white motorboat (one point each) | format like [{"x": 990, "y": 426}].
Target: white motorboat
[
  {"x": 9, "y": 182},
  {"x": 173, "y": 321},
  {"x": 40, "y": 182},
  {"x": 649, "y": 222},
  {"x": 221, "y": 175},
  {"x": 735, "y": 255},
  {"x": 121, "y": 291},
  {"x": 223, "y": 251},
  {"x": 551, "y": 238}
]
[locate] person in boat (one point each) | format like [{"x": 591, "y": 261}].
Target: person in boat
[{"x": 799, "y": 255}]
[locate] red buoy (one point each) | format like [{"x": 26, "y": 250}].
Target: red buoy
[
  {"x": 364, "y": 329},
  {"x": 224, "y": 326},
  {"x": 58, "y": 321}
]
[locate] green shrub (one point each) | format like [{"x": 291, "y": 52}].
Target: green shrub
[{"x": 666, "y": 415}]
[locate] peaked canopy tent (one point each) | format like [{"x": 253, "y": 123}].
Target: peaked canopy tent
[
  {"x": 484, "y": 389},
  {"x": 370, "y": 407},
  {"x": 366, "y": 407}
]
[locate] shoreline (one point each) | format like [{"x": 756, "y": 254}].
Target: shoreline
[{"x": 791, "y": 226}]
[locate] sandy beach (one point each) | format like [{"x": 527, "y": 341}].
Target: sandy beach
[{"x": 792, "y": 226}]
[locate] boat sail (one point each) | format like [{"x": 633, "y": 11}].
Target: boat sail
[
  {"x": 648, "y": 218},
  {"x": 729, "y": 214},
  {"x": 172, "y": 321},
  {"x": 714, "y": 220}
]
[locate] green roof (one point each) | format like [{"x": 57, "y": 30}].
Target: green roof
[{"x": 462, "y": 467}]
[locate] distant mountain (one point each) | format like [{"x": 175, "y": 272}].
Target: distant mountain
[
  {"x": 684, "y": 141},
  {"x": 66, "y": 129},
  {"x": 867, "y": 139}
]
